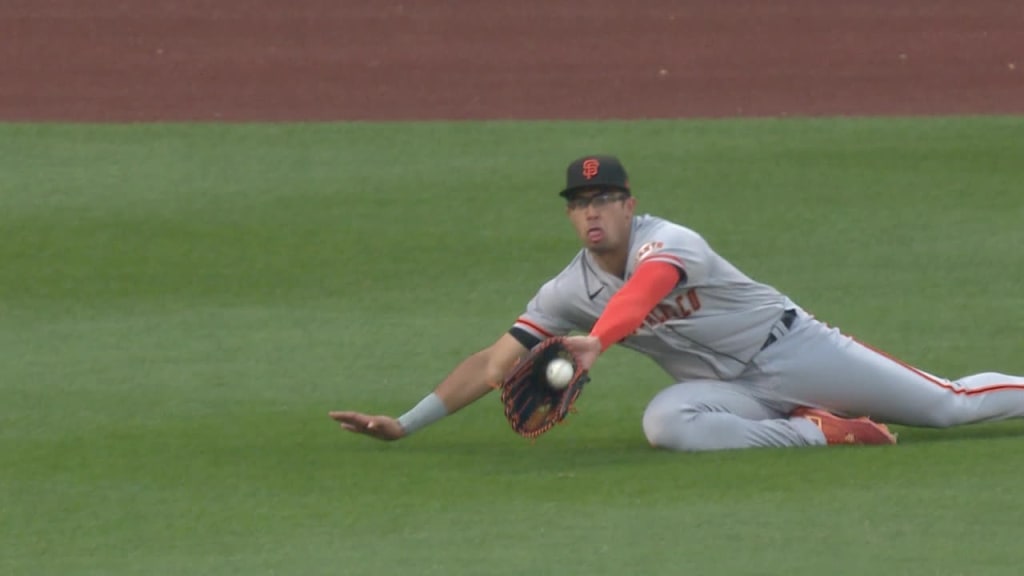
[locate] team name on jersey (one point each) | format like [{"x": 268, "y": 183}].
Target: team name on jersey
[{"x": 683, "y": 306}]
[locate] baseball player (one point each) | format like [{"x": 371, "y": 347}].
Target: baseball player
[{"x": 753, "y": 369}]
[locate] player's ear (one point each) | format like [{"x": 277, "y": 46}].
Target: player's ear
[{"x": 630, "y": 204}]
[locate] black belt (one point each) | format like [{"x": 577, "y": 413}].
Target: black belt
[{"x": 788, "y": 317}]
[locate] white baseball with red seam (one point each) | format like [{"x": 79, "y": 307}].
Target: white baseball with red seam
[{"x": 559, "y": 372}]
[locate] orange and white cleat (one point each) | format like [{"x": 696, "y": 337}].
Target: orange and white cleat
[{"x": 847, "y": 430}]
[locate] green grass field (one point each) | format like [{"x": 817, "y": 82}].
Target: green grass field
[{"x": 180, "y": 306}]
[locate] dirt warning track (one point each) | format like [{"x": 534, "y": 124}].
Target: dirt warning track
[{"x": 235, "y": 60}]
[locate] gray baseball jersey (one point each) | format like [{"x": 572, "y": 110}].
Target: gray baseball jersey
[
  {"x": 708, "y": 330},
  {"x": 709, "y": 326}
]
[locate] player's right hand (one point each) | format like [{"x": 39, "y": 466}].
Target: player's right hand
[
  {"x": 379, "y": 427},
  {"x": 585, "y": 348}
]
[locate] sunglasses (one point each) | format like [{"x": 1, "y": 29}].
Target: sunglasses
[{"x": 596, "y": 200}]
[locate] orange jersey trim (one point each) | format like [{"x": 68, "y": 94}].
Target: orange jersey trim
[
  {"x": 535, "y": 328},
  {"x": 656, "y": 256},
  {"x": 940, "y": 383}
]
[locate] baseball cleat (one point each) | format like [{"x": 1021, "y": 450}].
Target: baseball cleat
[{"x": 847, "y": 430}]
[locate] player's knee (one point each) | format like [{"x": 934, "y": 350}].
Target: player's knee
[{"x": 671, "y": 428}]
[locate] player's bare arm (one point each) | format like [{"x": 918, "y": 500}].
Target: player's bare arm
[
  {"x": 480, "y": 373},
  {"x": 471, "y": 380}
]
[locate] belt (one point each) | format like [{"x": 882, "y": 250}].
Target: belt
[{"x": 788, "y": 317}]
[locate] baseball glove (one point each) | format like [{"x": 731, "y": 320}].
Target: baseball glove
[{"x": 532, "y": 405}]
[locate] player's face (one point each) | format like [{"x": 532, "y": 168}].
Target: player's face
[{"x": 602, "y": 218}]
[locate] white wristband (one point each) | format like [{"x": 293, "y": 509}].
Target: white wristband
[{"x": 429, "y": 410}]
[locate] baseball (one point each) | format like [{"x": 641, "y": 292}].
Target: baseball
[{"x": 559, "y": 372}]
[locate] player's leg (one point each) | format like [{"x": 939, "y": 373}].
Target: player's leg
[
  {"x": 714, "y": 415},
  {"x": 816, "y": 365}
]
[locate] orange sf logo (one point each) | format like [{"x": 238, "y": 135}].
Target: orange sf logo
[
  {"x": 648, "y": 249},
  {"x": 590, "y": 167}
]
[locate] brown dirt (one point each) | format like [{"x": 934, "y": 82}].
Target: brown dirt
[{"x": 237, "y": 60}]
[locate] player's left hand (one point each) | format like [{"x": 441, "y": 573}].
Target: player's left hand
[
  {"x": 379, "y": 427},
  {"x": 586, "y": 349}
]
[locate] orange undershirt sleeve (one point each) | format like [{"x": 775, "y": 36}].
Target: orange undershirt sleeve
[{"x": 651, "y": 283}]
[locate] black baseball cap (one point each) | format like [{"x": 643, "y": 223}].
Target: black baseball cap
[{"x": 597, "y": 171}]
